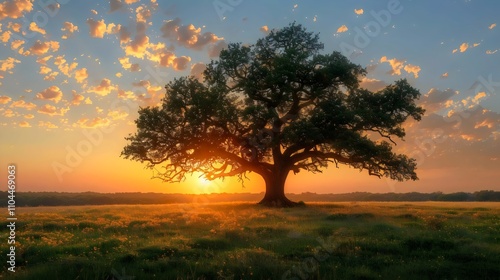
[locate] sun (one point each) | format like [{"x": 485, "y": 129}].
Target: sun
[{"x": 202, "y": 181}]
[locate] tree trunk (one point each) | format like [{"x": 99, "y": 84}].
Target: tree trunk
[{"x": 275, "y": 190}]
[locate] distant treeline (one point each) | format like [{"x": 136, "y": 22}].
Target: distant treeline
[{"x": 91, "y": 198}]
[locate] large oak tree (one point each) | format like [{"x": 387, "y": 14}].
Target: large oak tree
[{"x": 274, "y": 107}]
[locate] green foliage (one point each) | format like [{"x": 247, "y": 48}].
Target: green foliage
[{"x": 276, "y": 106}]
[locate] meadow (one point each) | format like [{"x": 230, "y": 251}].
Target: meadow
[{"x": 240, "y": 240}]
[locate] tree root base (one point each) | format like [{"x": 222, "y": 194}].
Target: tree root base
[{"x": 280, "y": 203}]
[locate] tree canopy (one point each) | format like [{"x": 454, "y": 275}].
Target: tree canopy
[{"x": 273, "y": 107}]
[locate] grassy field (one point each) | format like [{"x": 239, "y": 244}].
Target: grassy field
[{"x": 432, "y": 240}]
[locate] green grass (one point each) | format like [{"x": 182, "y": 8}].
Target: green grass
[{"x": 245, "y": 241}]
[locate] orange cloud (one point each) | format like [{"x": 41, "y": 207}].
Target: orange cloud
[
  {"x": 48, "y": 125},
  {"x": 44, "y": 70},
  {"x": 187, "y": 35},
  {"x": 52, "y": 110},
  {"x": 53, "y": 93},
  {"x": 43, "y": 60},
  {"x": 5, "y": 99},
  {"x": 412, "y": 69},
  {"x": 69, "y": 28},
  {"x": 15, "y": 8},
  {"x": 24, "y": 124},
  {"x": 8, "y": 64},
  {"x": 104, "y": 88},
  {"x": 16, "y": 44},
  {"x": 342, "y": 29},
  {"x": 493, "y": 25},
  {"x": 81, "y": 75},
  {"x": 138, "y": 46},
  {"x": 77, "y": 98},
  {"x": 40, "y": 48},
  {"x": 64, "y": 67},
  {"x": 96, "y": 122},
  {"x": 397, "y": 65},
  {"x": 5, "y": 37},
  {"x": 358, "y": 11},
  {"x": 50, "y": 77},
  {"x": 35, "y": 28},
  {"x": 264, "y": 29},
  {"x": 22, "y": 104},
  {"x": 99, "y": 28}
]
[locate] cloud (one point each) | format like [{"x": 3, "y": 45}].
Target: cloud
[
  {"x": 8, "y": 64},
  {"x": 373, "y": 85},
  {"x": 24, "y": 124},
  {"x": 493, "y": 25},
  {"x": 126, "y": 94},
  {"x": 197, "y": 70},
  {"x": 142, "y": 13},
  {"x": 445, "y": 75},
  {"x": 23, "y": 104},
  {"x": 43, "y": 60},
  {"x": 95, "y": 122},
  {"x": 473, "y": 101},
  {"x": 465, "y": 46},
  {"x": 77, "y": 98},
  {"x": 64, "y": 67},
  {"x": 412, "y": 69},
  {"x": 358, "y": 11},
  {"x": 48, "y": 125},
  {"x": 5, "y": 37},
  {"x": 99, "y": 28},
  {"x": 117, "y": 115},
  {"x": 15, "y": 8},
  {"x": 342, "y": 29},
  {"x": 435, "y": 100},
  {"x": 215, "y": 49},
  {"x": 264, "y": 29},
  {"x": 124, "y": 35},
  {"x": 50, "y": 110},
  {"x": 115, "y": 5},
  {"x": 81, "y": 75},
  {"x": 50, "y": 77},
  {"x": 52, "y": 93},
  {"x": 138, "y": 46},
  {"x": 44, "y": 70},
  {"x": 69, "y": 28},
  {"x": 491, "y": 51},
  {"x": 103, "y": 89},
  {"x": 9, "y": 113},
  {"x": 35, "y": 28},
  {"x": 14, "y": 45},
  {"x": 29, "y": 116},
  {"x": 187, "y": 35},
  {"x": 40, "y": 48},
  {"x": 181, "y": 63},
  {"x": 397, "y": 65},
  {"x": 4, "y": 99}
]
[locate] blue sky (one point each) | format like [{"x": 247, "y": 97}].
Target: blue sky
[{"x": 71, "y": 67}]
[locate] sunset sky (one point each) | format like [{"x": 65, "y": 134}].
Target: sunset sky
[{"x": 73, "y": 75}]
